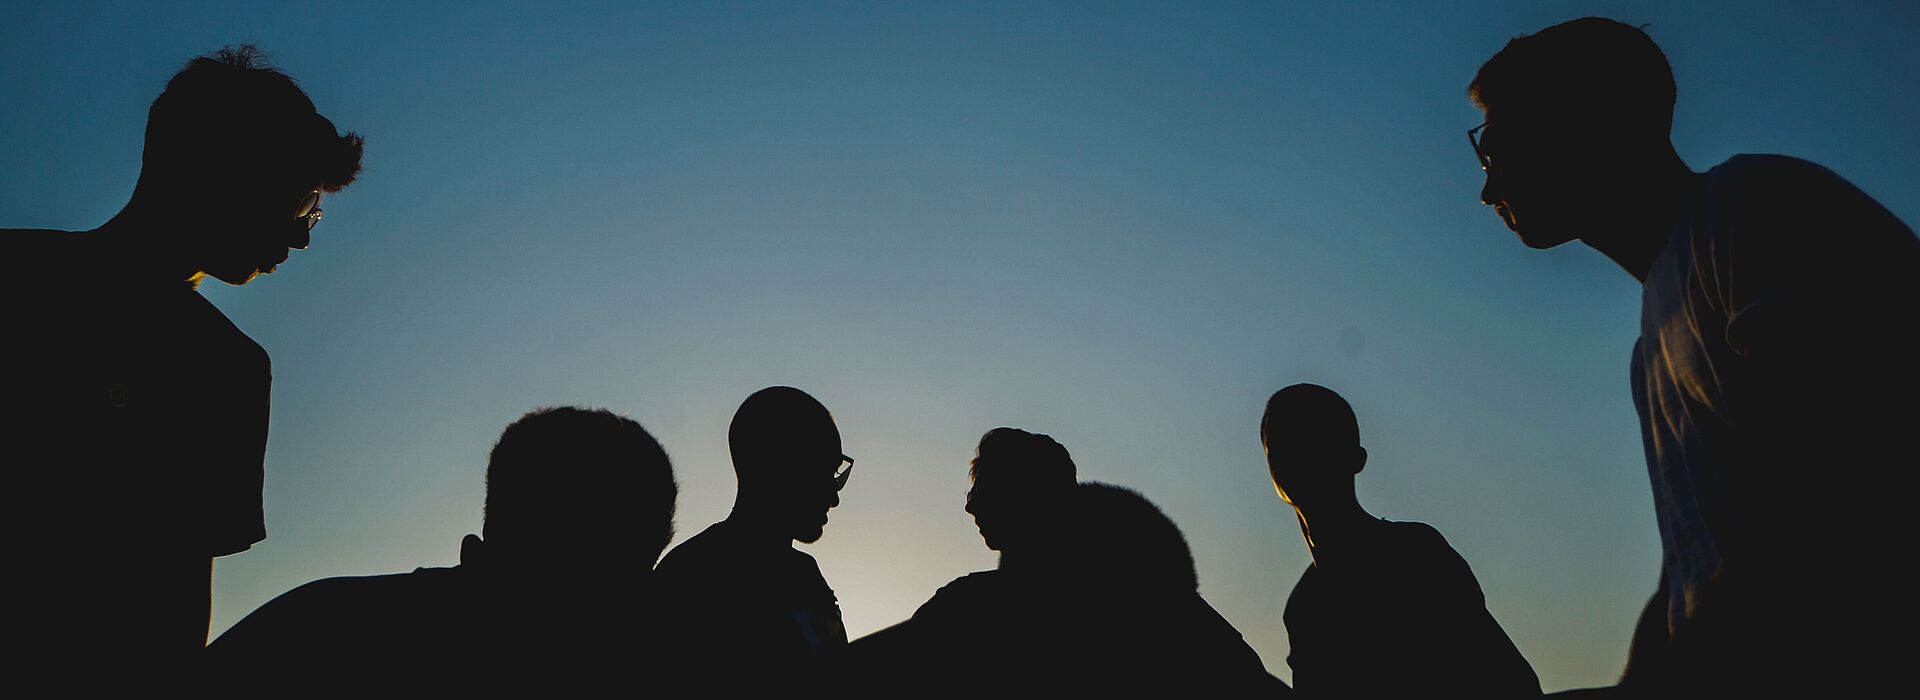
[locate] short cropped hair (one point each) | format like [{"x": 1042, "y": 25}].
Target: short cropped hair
[
  {"x": 1118, "y": 530},
  {"x": 1310, "y": 414},
  {"x": 1592, "y": 70},
  {"x": 770, "y": 423},
  {"x": 561, "y": 476},
  {"x": 231, "y": 115},
  {"x": 1036, "y": 458}
]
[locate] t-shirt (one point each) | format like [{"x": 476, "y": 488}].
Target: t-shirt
[
  {"x": 450, "y": 630},
  {"x": 1399, "y": 615},
  {"x": 140, "y": 410},
  {"x": 1775, "y": 382},
  {"x": 752, "y": 611}
]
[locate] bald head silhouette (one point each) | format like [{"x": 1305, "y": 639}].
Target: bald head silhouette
[{"x": 786, "y": 449}]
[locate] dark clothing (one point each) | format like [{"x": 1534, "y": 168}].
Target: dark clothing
[
  {"x": 752, "y": 612},
  {"x": 1058, "y": 635},
  {"x": 137, "y": 427},
  {"x": 1399, "y": 615},
  {"x": 1775, "y": 381},
  {"x": 452, "y": 631}
]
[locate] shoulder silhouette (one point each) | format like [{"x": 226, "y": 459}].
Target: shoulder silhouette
[
  {"x": 750, "y": 612},
  {"x": 1096, "y": 593},
  {"x": 553, "y": 594},
  {"x": 1387, "y": 609}
]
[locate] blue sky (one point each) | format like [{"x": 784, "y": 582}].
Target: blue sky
[{"x": 1121, "y": 224}]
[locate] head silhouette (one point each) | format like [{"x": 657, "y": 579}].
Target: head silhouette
[
  {"x": 573, "y": 489},
  {"x": 1121, "y": 542},
  {"x": 1575, "y": 114},
  {"x": 234, "y": 153},
  {"x": 1019, "y": 482},
  {"x": 1312, "y": 442},
  {"x": 786, "y": 450}
]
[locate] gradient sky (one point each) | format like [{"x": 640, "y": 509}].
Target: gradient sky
[{"x": 1121, "y": 224}]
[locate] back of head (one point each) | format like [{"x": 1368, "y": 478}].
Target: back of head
[
  {"x": 573, "y": 486},
  {"x": 1312, "y": 441},
  {"x": 1603, "y": 78},
  {"x": 1125, "y": 543},
  {"x": 229, "y": 120},
  {"x": 1309, "y": 416}
]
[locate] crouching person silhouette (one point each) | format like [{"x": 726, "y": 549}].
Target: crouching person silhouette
[{"x": 552, "y": 594}]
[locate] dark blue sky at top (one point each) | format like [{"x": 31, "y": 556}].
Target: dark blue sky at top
[{"x": 1122, "y": 224}]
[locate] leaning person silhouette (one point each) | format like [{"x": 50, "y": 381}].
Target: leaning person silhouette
[
  {"x": 136, "y": 411},
  {"x": 1387, "y": 609},
  {"x": 1773, "y": 376},
  {"x": 749, "y": 612},
  {"x": 552, "y": 595}
]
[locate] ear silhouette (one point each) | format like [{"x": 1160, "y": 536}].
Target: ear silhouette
[
  {"x": 473, "y": 551},
  {"x": 1359, "y": 459}
]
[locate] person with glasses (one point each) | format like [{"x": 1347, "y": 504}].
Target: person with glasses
[
  {"x": 1773, "y": 375},
  {"x": 745, "y": 611},
  {"x": 1386, "y": 609},
  {"x": 137, "y": 412}
]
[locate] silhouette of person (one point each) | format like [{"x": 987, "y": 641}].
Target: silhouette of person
[
  {"x": 1095, "y": 593},
  {"x": 1772, "y": 367},
  {"x": 1022, "y": 485},
  {"x": 1386, "y": 609},
  {"x": 750, "y": 611},
  {"x": 553, "y": 592},
  {"x": 137, "y": 412}
]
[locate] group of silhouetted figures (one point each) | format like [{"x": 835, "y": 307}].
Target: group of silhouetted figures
[{"x": 1772, "y": 377}]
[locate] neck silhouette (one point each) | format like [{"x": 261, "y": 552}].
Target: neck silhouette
[{"x": 1650, "y": 200}]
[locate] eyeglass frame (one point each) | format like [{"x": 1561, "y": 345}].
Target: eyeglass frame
[
  {"x": 842, "y": 472},
  {"x": 1473, "y": 137},
  {"x": 309, "y": 209}
]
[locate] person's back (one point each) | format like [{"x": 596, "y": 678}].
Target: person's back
[
  {"x": 1386, "y": 609},
  {"x": 1402, "y": 616},
  {"x": 1123, "y": 610},
  {"x": 555, "y": 594},
  {"x": 1801, "y": 388}
]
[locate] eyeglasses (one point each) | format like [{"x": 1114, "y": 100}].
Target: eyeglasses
[
  {"x": 1473, "y": 137},
  {"x": 309, "y": 209},
  {"x": 841, "y": 472}
]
